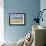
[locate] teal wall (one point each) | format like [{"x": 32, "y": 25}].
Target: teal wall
[
  {"x": 43, "y": 6},
  {"x": 29, "y": 7}
]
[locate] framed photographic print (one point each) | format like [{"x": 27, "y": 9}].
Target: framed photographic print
[{"x": 17, "y": 19}]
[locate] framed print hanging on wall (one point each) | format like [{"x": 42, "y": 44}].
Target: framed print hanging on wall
[{"x": 17, "y": 19}]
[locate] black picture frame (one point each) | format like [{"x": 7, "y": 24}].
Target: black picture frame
[{"x": 17, "y": 19}]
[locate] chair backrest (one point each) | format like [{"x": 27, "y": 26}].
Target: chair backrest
[{"x": 36, "y": 29}]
